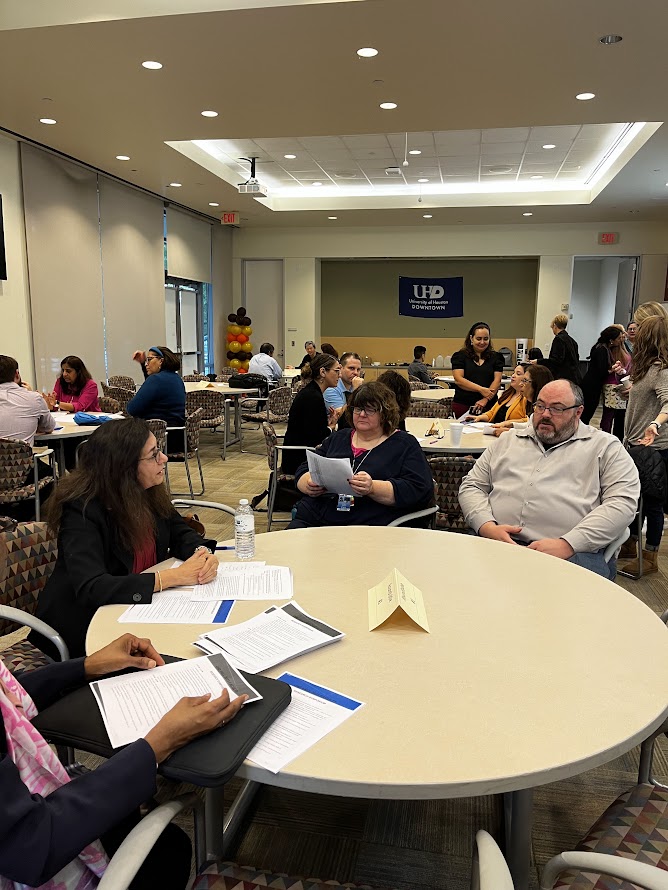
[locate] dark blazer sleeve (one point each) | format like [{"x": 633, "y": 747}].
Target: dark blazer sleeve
[
  {"x": 81, "y": 540},
  {"x": 557, "y": 351},
  {"x": 183, "y": 540},
  {"x": 46, "y": 684},
  {"x": 40, "y": 835},
  {"x": 599, "y": 362}
]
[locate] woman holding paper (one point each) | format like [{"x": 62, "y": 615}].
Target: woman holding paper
[
  {"x": 114, "y": 519},
  {"x": 57, "y": 832},
  {"x": 390, "y": 475}
]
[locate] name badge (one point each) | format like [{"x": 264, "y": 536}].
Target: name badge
[{"x": 345, "y": 502}]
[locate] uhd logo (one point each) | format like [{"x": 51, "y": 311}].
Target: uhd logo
[{"x": 429, "y": 291}]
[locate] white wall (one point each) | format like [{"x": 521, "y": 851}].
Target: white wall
[
  {"x": 584, "y": 325},
  {"x": 16, "y": 336},
  {"x": 555, "y": 276}
]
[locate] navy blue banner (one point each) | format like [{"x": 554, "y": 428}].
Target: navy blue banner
[{"x": 431, "y": 297}]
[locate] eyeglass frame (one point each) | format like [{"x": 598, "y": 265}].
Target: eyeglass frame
[
  {"x": 368, "y": 411},
  {"x": 557, "y": 411},
  {"x": 155, "y": 456}
]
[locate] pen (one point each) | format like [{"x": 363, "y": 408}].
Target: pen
[{"x": 224, "y": 547}]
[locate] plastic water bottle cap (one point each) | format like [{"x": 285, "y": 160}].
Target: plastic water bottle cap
[{"x": 243, "y": 502}]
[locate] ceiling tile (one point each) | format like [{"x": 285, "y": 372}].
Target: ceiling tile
[{"x": 506, "y": 134}]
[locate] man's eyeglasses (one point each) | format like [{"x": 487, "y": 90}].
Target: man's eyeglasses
[
  {"x": 368, "y": 411},
  {"x": 154, "y": 455},
  {"x": 540, "y": 408}
]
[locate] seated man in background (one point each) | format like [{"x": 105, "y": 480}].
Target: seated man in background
[
  {"x": 558, "y": 486},
  {"x": 264, "y": 363},
  {"x": 417, "y": 367},
  {"x": 22, "y": 414},
  {"x": 311, "y": 353},
  {"x": 336, "y": 397}
]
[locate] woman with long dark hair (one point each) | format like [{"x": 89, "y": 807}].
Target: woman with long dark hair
[
  {"x": 534, "y": 379},
  {"x": 74, "y": 390},
  {"x": 512, "y": 405},
  {"x": 114, "y": 519},
  {"x": 604, "y": 360},
  {"x": 477, "y": 370}
]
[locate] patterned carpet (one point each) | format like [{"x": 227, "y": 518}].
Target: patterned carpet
[{"x": 403, "y": 844}]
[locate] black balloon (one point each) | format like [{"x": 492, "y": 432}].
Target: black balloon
[
  {"x": 241, "y": 310},
  {"x": 232, "y": 318},
  {"x": 231, "y": 354},
  {"x": 239, "y": 319},
  {"x": 245, "y": 322}
]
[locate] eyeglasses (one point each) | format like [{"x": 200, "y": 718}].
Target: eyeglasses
[
  {"x": 368, "y": 411},
  {"x": 154, "y": 455},
  {"x": 540, "y": 408}
]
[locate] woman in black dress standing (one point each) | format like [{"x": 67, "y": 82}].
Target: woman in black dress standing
[{"x": 477, "y": 370}]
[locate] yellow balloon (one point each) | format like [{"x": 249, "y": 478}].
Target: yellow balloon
[
  {"x": 245, "y": 365},
  {"x": 235, "y": 363},
  {"x": 248, "y": 347},
  {"x": 234, "y": 346},
  {"x": 233, "y": 329},
  {"x": 247, "y": 331}
]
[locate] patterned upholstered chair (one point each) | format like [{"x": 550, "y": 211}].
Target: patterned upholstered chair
[
  {"x": 194, "y": 378},
  {"x": 109, "y": 405},
  {"x": 448, "y": 472},
  {"x": 124, "y": 382},
  {"x": 190, "y": 449},
  {"x": 224, "y": 375},
  {"x": 277, "y": 478},
  {"x": 212, "y": 404},
  {"x": 297, "y": 384},
  {"x": 121, "y": 395},
  {"x": 159, "y": 430},
  {"x": 441, "y": 409},
  {"x": 414, "y": 384},
  {"x": 16, "y": 462},
  {"x": 27, "y": 557},
  {"x": 274, "y": 409}
]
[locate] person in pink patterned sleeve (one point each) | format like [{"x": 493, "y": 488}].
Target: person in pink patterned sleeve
[{"x": 74, "y": 390}]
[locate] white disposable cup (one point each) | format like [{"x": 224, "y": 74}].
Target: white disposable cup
[{"x": 456, "y": 433}]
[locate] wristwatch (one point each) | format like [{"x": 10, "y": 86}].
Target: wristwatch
[{"x": 656, "y": 424}]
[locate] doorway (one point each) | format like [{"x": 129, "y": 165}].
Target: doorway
[{"x": 262, "y": 289}]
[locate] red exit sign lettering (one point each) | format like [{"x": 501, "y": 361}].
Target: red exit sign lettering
[
  {"x": 608, "y": 237},
  {"x": 230, "y": 218}
]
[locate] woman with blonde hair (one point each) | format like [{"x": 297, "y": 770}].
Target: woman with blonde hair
[
  {"x": 647, "y": 310},
  {"x": 646, "y": 423}
]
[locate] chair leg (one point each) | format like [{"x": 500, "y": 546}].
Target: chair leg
[
  {"x": 190, "y": 482},
  {"x": 201, "y": 474},
  {"x": 271, "y": 498}
]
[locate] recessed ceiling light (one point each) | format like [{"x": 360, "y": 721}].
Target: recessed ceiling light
[
  {"x": 536, "y": 177},
  {"x": 427, "y": 215},
  {"x": 388, "y": 106},
  {"x": 122, "y": 157},
  {"x": 290, "y": 157},
  {"x": 367, "y": 52},
  {"x": 527, "y": 214},
  {"x": 153, "y": 66},
  {"x": 423, "y": 180},
  {"x": 332, "y": 217},
  {"x": 213, "y": 204},
  {"x": 549, "y": 145},
  {"x": 175, "y": 185},
  {"x": 609, "y": 39},
  {"x": 584, "y": 97},
  {"x": 316, "y": 184},
  {"x": 209, "y": 113},
  {"x": 47, "y": 120},
  {"x": 415, "y": 151}
]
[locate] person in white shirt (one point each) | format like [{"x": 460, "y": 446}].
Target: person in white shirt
[
  {"x": 557, "y": 485},
  {"x": 264, "y": 363},
  {"x": 22, "y": 411}
]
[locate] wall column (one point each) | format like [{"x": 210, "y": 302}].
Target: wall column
[
  {"x": 301, "y": 289},
  {"x": 555, "y": 277},
  {"x": 652, "y": 277}
]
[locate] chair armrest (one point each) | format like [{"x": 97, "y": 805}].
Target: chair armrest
[
  {"x": 490, "y": 871},
  {"x": 19, "y": 617},
  {"x": 615, "y": 546},
  {"x": 187, "y": 502},
  {"x": 428, "y": 511},
  {"x": 603, "y": 863},
  {"x": 138, "y": 844}
]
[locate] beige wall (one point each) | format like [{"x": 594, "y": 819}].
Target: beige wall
[
  {"x": 400, "y": 349},
  {"x": 362, "y": 298}
]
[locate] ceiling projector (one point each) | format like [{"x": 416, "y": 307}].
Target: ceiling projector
[{"x": 252, "y": 187}]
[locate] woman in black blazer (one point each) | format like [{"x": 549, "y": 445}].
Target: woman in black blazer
[
  {"x": 114, "y": 519},
  {"x": 309, "y": 422}
]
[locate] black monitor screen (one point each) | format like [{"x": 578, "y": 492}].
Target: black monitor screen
[{"x": 3, "y": 259}]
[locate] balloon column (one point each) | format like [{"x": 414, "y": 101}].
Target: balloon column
[{"x": 239, "y": 347}]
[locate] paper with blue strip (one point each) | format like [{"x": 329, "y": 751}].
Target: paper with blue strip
[
  {"x": 82, "y": 418},
  {"x": 314, "y": 711},
  {"x": 166, "y": 608}
]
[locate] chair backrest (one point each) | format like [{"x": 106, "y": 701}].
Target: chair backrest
[
  {"x": 414, "y": 383},
  {"x": 193, "y": 424},
  {"x": 448, "y": 472},
  {"x": 111, "y": 406},
  {"x": 124, "y": 382},
  {"x": 159, "y": 430},
  {"x": 297, "y": 383},
  {"x": 210, "y": 401},
  {"x": 27, "y": 557},
  {"x": 121, "y": 395},
  {"x": 225, "y": 375},
  {"x": 194, "y": 378},
  {"x": 430, "y": 409},
  {"x": 279, "y": 401},
  {"x": 271, "y": 441},
  {"x": 15, "y": 464}
]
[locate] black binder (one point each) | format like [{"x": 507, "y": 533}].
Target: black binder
[{"x": 75, "y": 721}]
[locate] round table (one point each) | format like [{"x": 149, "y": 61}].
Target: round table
[
  {"x": 432, "y": 395},
  {"x": 66, "y": 428},
  {"x": 472, "y": 442},
  {"x": 529, "y": 675}
]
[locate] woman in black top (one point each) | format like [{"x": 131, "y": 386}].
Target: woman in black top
[
  {"x": 477, "y": 370},
  {"x": 309, "y": 422}
]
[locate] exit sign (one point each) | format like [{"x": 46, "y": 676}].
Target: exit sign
[
  {"x": 608, "y": 237},
  {"x": 230, "y": 218}
]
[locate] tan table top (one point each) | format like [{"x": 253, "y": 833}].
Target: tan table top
[
  {"x": 70, "y": 429},
  {"x": 221, "y": 387},
  {"x": 531, "y": 672},
  {"x": 471, "y": 443},
  {"x": 432, "y": 395}
]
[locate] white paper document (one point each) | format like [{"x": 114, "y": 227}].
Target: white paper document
[
  {"x": 313, "y": 712},
  {"x": 331, "y": 473},
  {"x": 170, "y": 609},
  {"x": 264, "y": 583},
  {"x": 275, "y": 635},
  {"x": 132, "y": 704}
]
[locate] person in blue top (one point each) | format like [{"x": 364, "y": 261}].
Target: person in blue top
[{"x": 162, "y": 396}]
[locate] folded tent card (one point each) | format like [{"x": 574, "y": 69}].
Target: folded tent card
[{"x": 396, "y": 592}]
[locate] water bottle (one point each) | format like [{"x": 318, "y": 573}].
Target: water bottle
[{"x": 244, "y": 530}]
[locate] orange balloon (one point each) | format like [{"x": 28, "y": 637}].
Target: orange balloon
[
  {"x": 242, "y": 338},
  {"x": 230, "y": 337},
  {"x": 235, "y": 363},
  {"x": 235, "y": 346},
  {"x": 242, "y": 371},
  {"x": 248, "y": 347}
]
